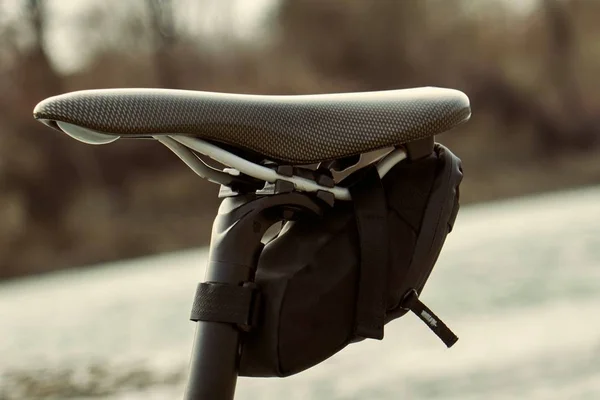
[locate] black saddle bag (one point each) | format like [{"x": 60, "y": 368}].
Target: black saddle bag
[{"x": 328, "y": 282}]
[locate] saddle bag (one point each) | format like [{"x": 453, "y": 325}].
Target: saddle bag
[{"x": 330, "y": 281}]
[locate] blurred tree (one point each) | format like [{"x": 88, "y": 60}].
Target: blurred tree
[
  {"x": 45, "y": 77},
  {"x": 363, "y": 45},
  {"x": 163, "y": 32},
  {"x": 581, "y": 130}
]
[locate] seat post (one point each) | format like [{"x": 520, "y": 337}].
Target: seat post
[
  {"x": 420, "y": 148},
  {"x": 233, "y": 257}
]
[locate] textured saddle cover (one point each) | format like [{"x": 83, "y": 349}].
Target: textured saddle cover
[{"x": 293, "y": 129}]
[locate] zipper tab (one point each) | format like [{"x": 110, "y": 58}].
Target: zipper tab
[{"x": 411, "y": 302}]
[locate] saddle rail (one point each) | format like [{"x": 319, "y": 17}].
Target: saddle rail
[{"x": 182, "y": 146}]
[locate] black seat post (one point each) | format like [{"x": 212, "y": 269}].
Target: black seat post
[{"x": 234, "y": 251}]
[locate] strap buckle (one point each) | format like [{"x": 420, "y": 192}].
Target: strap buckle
[{"x": 253, "y": 308}]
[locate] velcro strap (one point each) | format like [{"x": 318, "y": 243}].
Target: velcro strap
[
  {"x": 412, "y": 302},
  {"x": 218, "y": 302},
  {"x": 370, "y": 209}
]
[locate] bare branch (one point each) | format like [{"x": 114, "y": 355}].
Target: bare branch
[{"x": 162, "y": 27}]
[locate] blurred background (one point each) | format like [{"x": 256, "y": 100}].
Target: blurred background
[{"x": 530, "y": 67}]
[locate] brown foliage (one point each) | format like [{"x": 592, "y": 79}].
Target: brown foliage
[{"x": 531, "y": 79}]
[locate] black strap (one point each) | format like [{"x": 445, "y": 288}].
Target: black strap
[
  {"x": 218, "y": 302},
  {"x": 370, "y": 208},
  {"x": 412, "y": 302}
]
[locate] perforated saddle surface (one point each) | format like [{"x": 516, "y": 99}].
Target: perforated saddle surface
[{"x": 292, "y": 129}]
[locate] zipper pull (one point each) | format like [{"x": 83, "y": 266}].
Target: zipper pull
[{"x": 411, "y": 302}]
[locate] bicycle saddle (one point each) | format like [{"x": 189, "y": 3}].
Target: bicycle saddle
[{"x": 301, "y": 129}]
